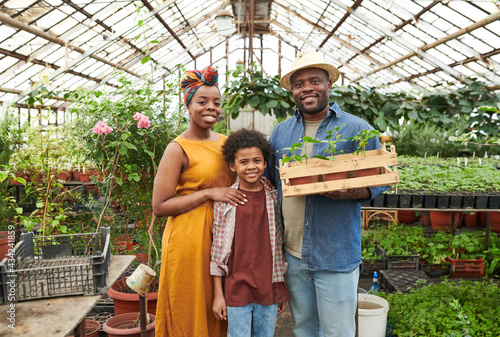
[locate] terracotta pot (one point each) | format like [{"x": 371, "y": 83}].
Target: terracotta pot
[
  {"x": 303, "y": 180},
  {"x": 129, "y": 302},
  {"x": 76, "y": 174},
  {"x": 334, "y": 176},
  {"x": 4, "y": 244},
  {"x": 123, "y": 325},
  {"x": 495, "y": 221},
  {"x": 426, "y": 219},
  {"x": 91, "y": 328},
  {"x": 84, "y": 177},
  {"x": 470, "y": 219},
  {"x": 123, "y": 243},
  {"x": 64, "y": 175},
  {"x": 442, "y": 221},
  {"x": 406, "y": 216},
  {"x": 367, "y": 172}
]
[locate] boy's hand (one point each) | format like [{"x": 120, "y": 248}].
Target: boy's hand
[
  {"x": 281, "y": 307},
  {"x": 219, "y": 308}
]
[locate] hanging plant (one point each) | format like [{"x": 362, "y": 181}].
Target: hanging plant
[{"x": 252, "y": 87}]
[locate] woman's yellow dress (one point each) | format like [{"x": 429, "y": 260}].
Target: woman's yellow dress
[{"x": 186, "y": 288}]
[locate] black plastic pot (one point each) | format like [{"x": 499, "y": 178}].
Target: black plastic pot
[
  {"x": 430, "y": 201},
  {"x": 455, "y": 201},
  {"x": 378, "y": 201},
  {"x": 443, "y": 201},
  {"x": 417, "y": 201},
  {"x": 404, "y": 200},
  {"x": 391, "y": 200},
  {"x": 494, "y": 202},
  {"x": 468, "y": 201},
  {"x": 481, "y": 201},
  {"x": 366, "y": 203}
]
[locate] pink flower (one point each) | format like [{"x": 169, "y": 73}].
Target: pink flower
[
  {"x": 143, "y": 121},
  {"x": 102, "y": 127}
]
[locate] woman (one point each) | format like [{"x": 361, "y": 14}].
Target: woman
[{"x": 192, "y": 168}]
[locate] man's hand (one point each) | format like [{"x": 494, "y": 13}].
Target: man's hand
[{"x": 348, "y": 194}]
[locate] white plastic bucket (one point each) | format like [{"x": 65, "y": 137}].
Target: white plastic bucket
[
  {"x": 140, "y": 279},
  {"x": 372, "y": 315}
]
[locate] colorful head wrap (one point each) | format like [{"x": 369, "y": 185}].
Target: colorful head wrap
[{"x": 193, "y": 79}]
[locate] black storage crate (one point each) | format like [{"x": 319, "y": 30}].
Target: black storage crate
[
  {"x": 52, "y": 266},
  {"x": 436, "y": 270},
  {"x": 372, "y": 265},
  {"x": 403, "y": 262},
  {"x": 402, "y": 280}
]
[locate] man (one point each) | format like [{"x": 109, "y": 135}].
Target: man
[{"x": 322, "y": 238}]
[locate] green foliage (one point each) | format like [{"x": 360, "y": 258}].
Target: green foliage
[
  {"x": 254, "y": 88},
  {"x": 128, "y": 155},
  {"x": 299, "y": 146},
  {"x": 446, "y": 309},
  {"x": 448, "y": 179},
  {"x": 441, "y": 108}
]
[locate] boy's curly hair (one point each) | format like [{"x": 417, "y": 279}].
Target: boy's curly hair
[{"x": 245, "y": 138}]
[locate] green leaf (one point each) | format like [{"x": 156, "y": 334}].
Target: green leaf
[
  {"x": 19, "y": 210},
  {"x": 54, "y": 223},
  {"x": 63, "y": 229},
  {"x": 130, "y": 146},
  {"x": 254, "y": 101},
  {"x": 124, "y": 136},
  {"x": 272, "y": 103},
  {"x": 146, "y": 59},
  {"x": 123, "y": 150},
  {"x": 39, "y": 204},
  {"x": 154, "y": 41},
  {"x": 140, "y": 22},
  {"x": 137, "y": 38}
]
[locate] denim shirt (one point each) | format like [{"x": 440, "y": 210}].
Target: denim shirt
[{"x": 332, "y": 228}]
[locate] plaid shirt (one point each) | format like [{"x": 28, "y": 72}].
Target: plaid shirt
[{"x": 223, "y": 235}]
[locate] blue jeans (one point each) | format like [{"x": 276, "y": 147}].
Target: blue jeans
[
  {"x": 322, "y": 303},
  {"x": 252, "y": 320}
]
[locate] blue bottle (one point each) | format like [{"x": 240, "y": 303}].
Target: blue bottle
[{"x": 374, "y": 288}]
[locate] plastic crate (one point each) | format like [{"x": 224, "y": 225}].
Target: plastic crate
[
  {"x": 402, "y": 280},
  {"x": 403, "y": 262},
  {"x": 466, "y": 268},
  {"x": 436, "y": 270},
  {"x": 52, "y": 266},
  {"x": 372, "y": 265}
]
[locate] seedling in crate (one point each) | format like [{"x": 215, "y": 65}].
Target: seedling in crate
[
  {"x": 332, "y": 143},
  {"x": 362, "y": 139},
  {"x": 299, "y": 146}
]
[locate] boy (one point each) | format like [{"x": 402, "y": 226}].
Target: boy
[{"x": 247, "y": 244}]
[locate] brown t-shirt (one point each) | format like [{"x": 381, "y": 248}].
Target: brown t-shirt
[{"x": 250, "y": 265}]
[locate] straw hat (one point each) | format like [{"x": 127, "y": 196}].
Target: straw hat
[{"x": 309, "y": 59}]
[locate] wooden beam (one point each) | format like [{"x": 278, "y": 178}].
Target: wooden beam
[
  {"x": 18, "y": 91},
  {"x": 7, "y": 20},
  {"x": 170, "y": 30},
  {"x": 102, "y": 24},
  {"x": 337, "y": 26},
  {"x": 51, "y": 65}
]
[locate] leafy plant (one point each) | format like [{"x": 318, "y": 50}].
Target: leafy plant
[
  {"x": 442, "y": 309},
  {"x": 332, "y": 140},
  {"x": 299, "y": 146},
  {"x": 263, "y": 93},
  {"x": 362, "y": 140}
]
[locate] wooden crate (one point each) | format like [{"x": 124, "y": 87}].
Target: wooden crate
[{"x": 349, "y": 163}]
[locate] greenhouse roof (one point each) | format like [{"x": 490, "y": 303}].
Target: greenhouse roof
[{"x": 383, "y": 45}]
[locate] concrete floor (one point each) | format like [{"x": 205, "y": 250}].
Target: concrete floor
[{"x": 284, "y": 324}]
